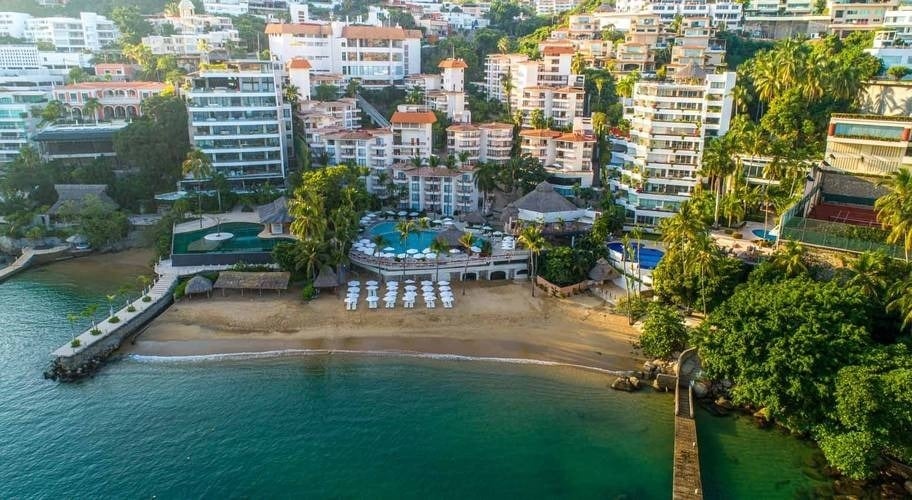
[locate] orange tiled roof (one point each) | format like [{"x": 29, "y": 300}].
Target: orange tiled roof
[
  {"x": 557, "y": 50},
  {"x": 112, "y": 85},
  {"x": 496, "y": 125},
  {"x": 453, "y": 63},
  {"x": 299, "y": 63},
  {"x": 298, "y": 29},
  {"x": 413, "y": 117},
  {"x": 462, "y": 127},
  {"x": 540, "y": 132},
  {"x": 379, "y": 33},
  {"x": 576, "y": 137}
]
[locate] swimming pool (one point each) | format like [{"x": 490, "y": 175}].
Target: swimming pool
[
  {"x": 245, "y": 240},
  {"x": 764, "y": 234},
  {"x": 648, "y": 257},
  {"x": 418, "y": 239}
]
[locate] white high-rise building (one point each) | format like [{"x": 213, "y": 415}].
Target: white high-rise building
[
  {"x": 412, "y": 132},
  {"x": 193, "y": 33},
  {"x": 89, "y": 31},
  {"x": 450, "y": 97},
  {"x": 655, "y": 169},
  {"x": 238, "y": 118},
  {"x": 375, "y": 55},
  {"x": 18, "y": 119}
]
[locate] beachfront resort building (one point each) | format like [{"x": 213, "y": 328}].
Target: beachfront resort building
[
  {"x": 438, "y": 190},
  {"x": 110, "y": 100},
  {"x": 239, "y": 119},
  {"x": 376, "y": 55},
  {"x": 868, "y": 145},
  {"x": 484, "y": 142},
  {"x": 550, "y": 209},
  {"x": 18, "y": 118},
  {"x": 412, "y": 128},
  {"x": 191, "y": 34},
  {"x": 88, "y": 32},
  {"x": 449, "y": 96},
  {"x": 565, "y": 155},
  {"x": 654, "y": 170}
]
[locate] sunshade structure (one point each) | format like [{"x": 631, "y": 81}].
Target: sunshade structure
[
  {"x": 236, "y": 280},
  {"x": 602, "y": 271},
  {"x": 475, "y": 218},
  {"x": 275, "y": 212},
  {"x": 74, "y": 196},
  {"x": 326, "y": 279},
  {"x": 450, "y": 236},
  {"x": 197, "y": 285}
]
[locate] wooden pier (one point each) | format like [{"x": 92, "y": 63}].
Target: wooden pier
[
  {"x": 686, "y": 476},
  {"x": 30, "y": 255}
]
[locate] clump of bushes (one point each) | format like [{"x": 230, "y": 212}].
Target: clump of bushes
[
  {"x": 75, "y": 343},
  {"x": 131, "y": 309},
  {"x": 309, "y": 292},
  {"x": 95, "y": 331},
  {"x": 114, "y": 319}
]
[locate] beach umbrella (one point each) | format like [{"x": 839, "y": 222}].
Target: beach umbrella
[
  {"x": 389, "y": 249},
  {"x": 447, "y": 223},
  {"x": 445, "y": 288},
  {"x": 487, "y": 228},
  {"x": 402, "y": 213},
  {"x": 454, "y": 251},
  {"x": 443, "y": 283},
  {"x": 437, "y": 221},
  {"x": 409, "y": 282},
  {"x": 426, "y": 250},
  {"x": 364, "y": 241},
  {"x": 411, "y": 251},
  {"x": 410, "y": 288},
  {"x": 413, "y": 214},
  {"x": 427, "y": 288},
  {"x": 354, "y": 283},
  {"x": 475, "y": 249},
  {"x": 418, "y": 256},
  {"x": 431, "y": 255},
  {"x": 370, "y": 283},
  {"x": 426, "y": 282},
  {"x": 497, "y": 233}
]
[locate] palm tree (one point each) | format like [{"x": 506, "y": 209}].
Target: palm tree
[
  {"x": 198, "y": 165},
  {"x": 311, "y": 256},
  {"x": 52, "y": 112},
  {"x": 463, "y": 157},
  {"x": 172, "y": 9},
  {"x": 868, "y": 272},
  {"x": 466, "y": 241},
  {"x": 404, "y": 228},
  {"x": 203, "y": 47},
  {"x": 531, "y": 238},
  {"x": 790, "y": 259},
  {"x": 578, "y": 64},
  {"x": 894, "y": 209},
  {"x": 485, "y": 177},
  {"x": 506, "y": 81},
  {"x": 291, "y": 94},
  {"x": 380, "y": 243},
  {"x": 144, "y": 282},
  {"x": 627, "y": 250},
  {"x": 504, "y": 45},
  {"x": 706, "y": 258},
  {"x": 89, "y": 312},
  {"x": 901, "y": 300},
  {"x": 91, "y": 106},
  {"x": 73, "y": 318},
  {"x": 717, "y": 165},
  {"x": 437, "y": 247},
  {"x": 111, "y": 298},
  {"x": 306, "y": 206}
]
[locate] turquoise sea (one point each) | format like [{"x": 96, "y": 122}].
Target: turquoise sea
[{"x": 341, "y": 426}]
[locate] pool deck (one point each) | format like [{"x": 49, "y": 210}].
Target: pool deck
[{"x": 213, "y": 220}]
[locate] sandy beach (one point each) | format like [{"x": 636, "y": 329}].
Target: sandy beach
[{"x": 498, "y": 320}]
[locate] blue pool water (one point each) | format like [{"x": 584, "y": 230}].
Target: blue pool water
[
  {"x": 763, "y": 233},
  {"x": 648, "y": 257},
  {"x": 419, "y": 240}
]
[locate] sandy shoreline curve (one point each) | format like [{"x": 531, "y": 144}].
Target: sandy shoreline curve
[{"x": 496, "y": 320}]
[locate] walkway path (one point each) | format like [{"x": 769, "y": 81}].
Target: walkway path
[
  {"x": 686, "y": 480},
  {"x": 372, "y": 112},
  {"x": 25, "y": 260}
]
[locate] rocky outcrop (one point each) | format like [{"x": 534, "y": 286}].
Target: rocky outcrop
[
  {"x": 626, "y": 384},
  {"x": 664, "y": 382}
]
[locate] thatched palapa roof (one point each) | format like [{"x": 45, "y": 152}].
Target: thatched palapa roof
[
  {"x": 602, "y": 271},
  {"x": 475, "y": 218},
  {"x": 450, "y": 237},
  {"x": 275, "y": 212},
  {"x": 326, "y": 279},
  {"x": 544, "y": 199},
  {"x": 198, "y": 284},
  {"x": 75, "y": 195},
  {"x": 237, "y": 280}
]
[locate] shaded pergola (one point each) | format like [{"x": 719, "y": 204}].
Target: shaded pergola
[
  {"x": 602, "y": 271},
  {"x": 450, "y": 237},
  {"x": 259, "y": 281},
  {"x": 197, "y": 285},
  {"x": 326, "y": 279}
]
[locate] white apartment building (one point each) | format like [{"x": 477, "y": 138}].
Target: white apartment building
[
  {"x": 376, "y": 55},
  {"x": 484, "y": 142},
  {"x": 552, "y": 7},
  {"x": 192, "y": 32},
  {"x": 226, "y": 7},
  {"x": 847, "y": 16},
  {"x": 412, "y": 128},
  {"x": 238, "y": 118},
  {"x": 899, "y": 21},
  {"x": 450, "y": 97},
  {"x": 437, "y": 190},
  {"x": 655, "y": 169},
  {"x": 560, "y": 105},
  {"x": 17, "y": 118},
  {"x": 367, "y": 148},
  {"x": 19, "y": 59},
  {"x": 89, "y": 31},
  {"x": 891, "y": 49},
  {"x": 564, "y": 155},
  {"x": 514, "y": 67},
  {"x": 318, "y": 119}
]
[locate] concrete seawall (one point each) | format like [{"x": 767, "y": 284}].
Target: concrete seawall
[{"x": 71, "y": 363}]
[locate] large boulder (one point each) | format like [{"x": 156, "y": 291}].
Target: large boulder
[
  {"x": 700, "y": 389},
  {"x": 623, "y": 384},
  {"x": 665, "y": 382}
]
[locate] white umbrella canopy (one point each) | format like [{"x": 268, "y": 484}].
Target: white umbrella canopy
[
  {"x": 409, "y": 282},
  {"x": 389, "y": 249},
  {"x": 410, "y": 288},
  {"x": 364, "y": 241},
  {"x": 454, "y": 251},
  {"x": 354, "y": 283},
  {"x": 411, "y": 251},
  {"x": 445, "y": 288},
  {"x": 400, "y": 255},
  {"x": 475, "y": 249},
  {"x": 418, "y": 256},
  {"x": 497, "y": 233},
  {"x": 431, "y": 255},
  {"x": 413, "y": 214},
  {"x": 370, "y": 283},
  {"x": 402, "y": 213},
  {"x": 443, "y": 283}
]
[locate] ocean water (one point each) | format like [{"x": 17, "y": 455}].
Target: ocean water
[{"x": 341, "y": 426}]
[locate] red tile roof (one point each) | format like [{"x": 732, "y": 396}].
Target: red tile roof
[
  {"x": 379, "y": 33},
  {"x": 299, "y": 63},
  {"x": 453, "y": 63},
  {"x": 413, "y": 117}
]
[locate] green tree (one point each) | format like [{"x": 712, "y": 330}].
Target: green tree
[
  {"x": 131, "y": 24},
  {"x": 894, "y": 209},
  {"x": 198, "y": 165},
  {"x": 532, "y": 239},
  {"x": 790, "y": 259},
  {"x": 783, "y": 345},
  {"x": 537, "y": 119},
  {"x": 466, "y": 241},
  {"x": 898, "y": 72},
  {"x": 664, "y": 332},
  {"x": 325, "y": 92},
  {"x": 100, "y": 223}
]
